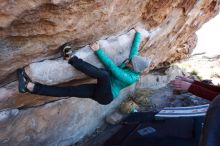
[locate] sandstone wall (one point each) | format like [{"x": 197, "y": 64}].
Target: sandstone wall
[{"x": 31, "y": 31}]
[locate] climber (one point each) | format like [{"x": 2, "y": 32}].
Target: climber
[{"x": 109, "y": 80}]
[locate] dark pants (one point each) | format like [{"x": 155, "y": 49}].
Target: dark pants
[
  {"x": 211, "y": 130},
  {"x": 100, "y": 92}
]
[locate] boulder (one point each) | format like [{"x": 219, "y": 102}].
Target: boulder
[
  {"x": 31, "y": 32},
  {"x": 62, "y": 123}
]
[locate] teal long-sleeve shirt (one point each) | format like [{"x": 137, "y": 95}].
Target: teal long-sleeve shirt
[{"x": 121, "y": 76}]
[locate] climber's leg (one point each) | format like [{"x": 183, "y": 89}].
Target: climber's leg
[
  {"x": 103, "y": 91},
  {"x": 100, "y": 92},
  {"x": 85, "y": 67},
  {"x": 25, "y": 84},
  {"x": 83, "y": 91}
]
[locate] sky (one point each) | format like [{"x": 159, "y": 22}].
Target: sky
[{"x": 209, "y": 38}]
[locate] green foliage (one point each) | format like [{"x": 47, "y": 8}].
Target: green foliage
[{"x": 194, "y": 73}]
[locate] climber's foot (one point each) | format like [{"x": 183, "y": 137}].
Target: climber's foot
[
  {"x": 23, "y": 80},
  {"x": 66, "y": 51}
]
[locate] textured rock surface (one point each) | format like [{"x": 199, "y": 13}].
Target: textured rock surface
[
  {"x": 58, "y": 71},
  {"x": 31, "y": 31},
  {"x": 60, "y": 123}
]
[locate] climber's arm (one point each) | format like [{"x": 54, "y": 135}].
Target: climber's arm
[
  {"x": 116, "y": 71},
  {"x": 135, "y": 44}
]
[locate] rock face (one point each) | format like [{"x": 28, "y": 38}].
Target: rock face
[
  {"x": 31, "y": 31},
  {"x": 57, "y": 71},
  {"x": 60, "y": 123}
]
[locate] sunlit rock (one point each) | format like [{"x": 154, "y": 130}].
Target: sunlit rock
[{"x": 31, "y": 32}]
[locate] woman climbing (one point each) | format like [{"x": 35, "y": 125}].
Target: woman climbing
[{"x": 109, "y": 81}]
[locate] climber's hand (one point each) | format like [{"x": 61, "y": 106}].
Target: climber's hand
[
  {"x": 137, "y": 28},
  {"x": 94, "y": 46}
]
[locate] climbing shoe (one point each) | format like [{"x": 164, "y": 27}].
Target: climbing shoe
[
  {"x": 65, "y": 51},
  {"x": 23, "y": 80}
]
